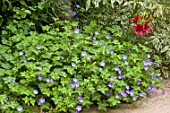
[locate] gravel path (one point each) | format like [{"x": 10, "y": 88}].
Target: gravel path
[{"x": 156, "y": 103}]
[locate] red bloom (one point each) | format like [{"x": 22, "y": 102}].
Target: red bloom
[
  {"x": 135, "y": 19},
  {"x": 147, "y": 27},
  {"x": 139, "y": 29}
]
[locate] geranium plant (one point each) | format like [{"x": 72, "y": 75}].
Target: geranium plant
[{"x": 68, "y": 70}]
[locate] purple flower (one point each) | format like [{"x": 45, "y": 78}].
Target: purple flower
[
  {"x": 123, "y": 94},
  {"x": 147, "y": 63},
  {"x": 156, "y": 64},
  {"x": 128, "y": 91},
  {"x": 83, "y": 53},
  {"x": 124, "y": 56},
  {"x": 107, "y": 94},
  {"x": 75, "y": 84},
  {"x": 88, "y": 57},
  {"x": 141, "y": 94},
  {"x": 38, "y": 47},
  {"x": 149, "y": 87},
  {"x": 107, "y": 37},
  {"x": 111, "y": 78},
  {"x": 110, "y": 84},
  {"x": 68, "y": 43},
  {"x": 149, "y": 93},
  {"x": 78, "y": 108},
  {"x": 48, "y": 79},
  {"x": 146, "y": 68},
  {"x": 134, "y": 98},
  {"x": 21, "y": 53},
  {"x": 77, "y": 5},
  {"x": 76, "y": 30},
  {"x": 40, "y": 77},
  {"x": 153, "y": 88},
  {"x": 120, "y": 76},
  {"x": 13, "y": 79},
  {"x": 139, "y": 82},
  {"x": 150, "y": 75},
  {"x": 40, "y": 67},
  {"x": 74, "y": 13},
  {"x": 7, "y": 99},
  {"x": 126, "y": 62},
  {"x": 42, "y": 100},
  {"x": 80, "y": 99},
  {"x": 35, "y": 91},
  {"x": 155, "y": 75},
  {"x": 163, "y": 93},
  {"x": 119, "y": 71},
  {"x": 94, "y": 38},
  {"x": 112, "y": 51},
  {"x": 73, "y": 64},
  {"x": 92, "y": 93},
  {"x": 101, "y": 43},
  {"x": 127, "y": 87},
  {"x": 102, "y": 63},
  {"x": 62, "y": 57},
  {"x": 19, "y": 108},
  {"x": 117, "y": 95},
  {"x": 117, "y": 68},
  {"x": 131, "y": 92},
  {"x": 75, "y": 80},
  {"x": 25, "y": 60},
  {"x": 76, "y": 111},
  {"x": 148, "y": 55},
  {"x": 103, "y": 68}
]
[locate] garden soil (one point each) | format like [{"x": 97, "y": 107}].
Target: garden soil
[{"x": 158, "y": 102}]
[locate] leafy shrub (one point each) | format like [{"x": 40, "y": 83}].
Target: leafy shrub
[
  {"x": 108, "y": 14},
  {"x": 160, "y": 40},
  {"x": 38, "y": 12},
  {"x": 63, "y": 71}
]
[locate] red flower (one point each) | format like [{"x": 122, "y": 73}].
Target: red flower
[
  {"x": 135, "y": 19},
  {"x": 147, "y": 27},
  {"x": 139, "y": 29}
]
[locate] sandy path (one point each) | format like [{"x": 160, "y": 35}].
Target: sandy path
[{"x": 157, "y": 103}]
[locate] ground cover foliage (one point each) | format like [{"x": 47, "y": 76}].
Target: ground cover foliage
[{"x": 66, "y": 65}]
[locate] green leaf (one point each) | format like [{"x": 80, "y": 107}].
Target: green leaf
[
  {"x": 88, "y": 3},
  {"x": 112, "y": 2},
  {"x": 120, "y": 1},
  {"x": 23, "y": 3},
  {"x": 167, "y": 47}
]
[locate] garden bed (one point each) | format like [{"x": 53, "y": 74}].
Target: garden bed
[{"x": 157, "y": 102}]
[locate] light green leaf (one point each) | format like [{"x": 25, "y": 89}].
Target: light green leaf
[
  {"x": 165, "y": 49},
  {"x": 112, "y": 2},
  {"x": 88, "y": 3}
]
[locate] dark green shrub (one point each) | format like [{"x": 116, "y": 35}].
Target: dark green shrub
[
  {"x": 39, "y": 12},
  {"x": 65, "y": 71}
]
